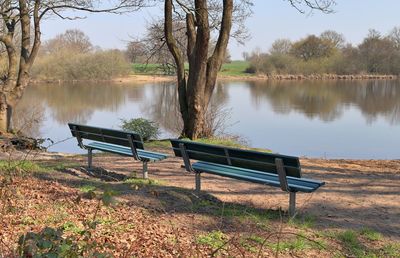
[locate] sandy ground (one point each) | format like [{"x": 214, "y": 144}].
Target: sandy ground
[{"x": 357, "y": 194}]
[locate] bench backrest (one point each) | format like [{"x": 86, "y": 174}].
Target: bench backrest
[
  {"x": 255, "y": 160},
  {"x": 116, "y": 137}
]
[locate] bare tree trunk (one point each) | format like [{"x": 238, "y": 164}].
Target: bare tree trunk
[
  {"x": 3, "y": 114},
  {"x": 18, "y": 76},
  {"x": 195, "y": 93}
]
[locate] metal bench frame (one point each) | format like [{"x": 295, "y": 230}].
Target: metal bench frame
[
  {"x": 90, "y": 149},
  {"x": 281, "y": 171}
]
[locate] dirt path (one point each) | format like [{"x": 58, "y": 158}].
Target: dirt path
[{"x": 358, "y": 193}]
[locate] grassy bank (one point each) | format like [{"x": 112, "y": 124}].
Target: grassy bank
[
  {"x": 239, "y": 70},
  {"x": 235, "y": 68}
]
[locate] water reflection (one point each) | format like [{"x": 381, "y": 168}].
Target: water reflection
[
  {"x": 164, "y": 105},
  {"x": 297, "y": 114},
  {"x": 77, "y": 102},
  {"x": 328, "y": 100}
]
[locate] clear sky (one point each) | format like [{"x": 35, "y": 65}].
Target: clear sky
[{"x": 272, "y": 19}]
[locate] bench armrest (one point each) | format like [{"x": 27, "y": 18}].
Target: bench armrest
[
  {"x": 280, "y": 168},
  {"x": 185, "y": 156}
]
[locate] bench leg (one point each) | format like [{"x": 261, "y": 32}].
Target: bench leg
[
  {"x": 90, "y": 156},
  {"x": 292, "y": 203},
  {"x": 145, "y": 175},
  {"x": 198, "y": 183}
]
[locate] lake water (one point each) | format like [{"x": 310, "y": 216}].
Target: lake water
[{"x": 334, "y": 119}]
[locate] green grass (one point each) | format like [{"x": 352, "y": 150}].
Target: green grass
[
  {"x": 252, "y": 243},
  {"x": 147, "y": 69},
  {"x": 142, "y": 182},
  {"x": 162, "y": 144},
  {"x": 391, "y": 250},
  {"x": 72, "y": 227},
  {"x": 214, "y": 239},
  {"x": 234, "y": 68},
  {"x": 60, "y": 165},
  {"x": 222, "y": 141},
  {"x": 306, "y": 221},
  {"x": 298, "y": 244},
  {"x": 350, "y": 241},
  {"x": 229, "y": 142},
  {"x": 23, "y": 166},
  {"x": 87, "y": 188},
  {"x": 371, "y": 234}
]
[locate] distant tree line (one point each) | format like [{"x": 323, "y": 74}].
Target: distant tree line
[
  {"x": 330, "y": 53},
  {"x": 71, "y": 56}
]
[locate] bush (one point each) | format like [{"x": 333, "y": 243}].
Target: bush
[
  {"x": 146, "y": 128},
  {"x": 67, "y": 65}
]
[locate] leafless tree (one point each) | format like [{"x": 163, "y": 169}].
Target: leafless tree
[
  {"x": 73, "y": 40},
  {"x": 336, "y": 39},
  {"x": 394, "y": 36},
  {"x": 135, "y": 51},
  {"x": 27, "y": 16},
  {"x": 281, "y": 47}
]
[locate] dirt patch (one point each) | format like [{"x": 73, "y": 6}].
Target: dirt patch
[{"x": 357, "y": 194}]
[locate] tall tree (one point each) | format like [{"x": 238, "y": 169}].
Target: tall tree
[
  {"x": 26, "y": 16},
  {"x": 195, "y": 88}
]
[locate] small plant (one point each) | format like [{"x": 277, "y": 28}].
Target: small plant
[
  {"x": 146, "y": 128},
  {"x": 53, "y": 242},
  {"x": 141, "y": 182},
  {"x": 370, "y": 234},
  {"x": 350, "y": 240},
  {"x": 303, "y": 222},
  {"x": 391, "y": 250},
  {"x": 214, "y": 239}
]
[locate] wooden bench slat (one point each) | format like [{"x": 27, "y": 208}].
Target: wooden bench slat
[
  {"x": 268, "y": 180},
  {"x": 261, "y": 173},
  {"x": 127, "y": 151},
  {"x": 302, "y": 185},
  {"x": 106, "y": 135},
  {"x": 124, "y": 143},
  {"x": 239, "y": 158}
]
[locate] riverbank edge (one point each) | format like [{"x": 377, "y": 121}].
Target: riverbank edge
[{"x": 139, "y": 78}]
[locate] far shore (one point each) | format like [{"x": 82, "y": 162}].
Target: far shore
[
  {"x": 260, "y": 77},
  {"x": 143, "y": 78}
]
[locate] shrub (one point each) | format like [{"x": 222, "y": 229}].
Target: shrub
[
  {"x": 67, "y": 65},
  {"x": 146, "y": 128}
]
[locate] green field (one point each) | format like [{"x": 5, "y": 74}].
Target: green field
[{"x": 235, "y": 68}]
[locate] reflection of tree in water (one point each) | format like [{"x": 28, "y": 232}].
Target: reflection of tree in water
[
  {"x": 163, "y": 108},
  {"x": 28, "y": 117},
  {"x": 327, "y": 100},
  {"x": 77, "y": 102},
  {"x": 378, "y": 98}
]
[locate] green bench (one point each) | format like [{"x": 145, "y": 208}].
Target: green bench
[
  {"x": 114, "y": 141},
  {"x": 251, "y": 166}
]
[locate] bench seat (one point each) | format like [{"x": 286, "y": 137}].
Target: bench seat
[
  {"x": 272, "y": 169},
  {"x": 143, "y": 155},
  {"x": 124, "y": 143},
  {"x": 296, "y": 184}
]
